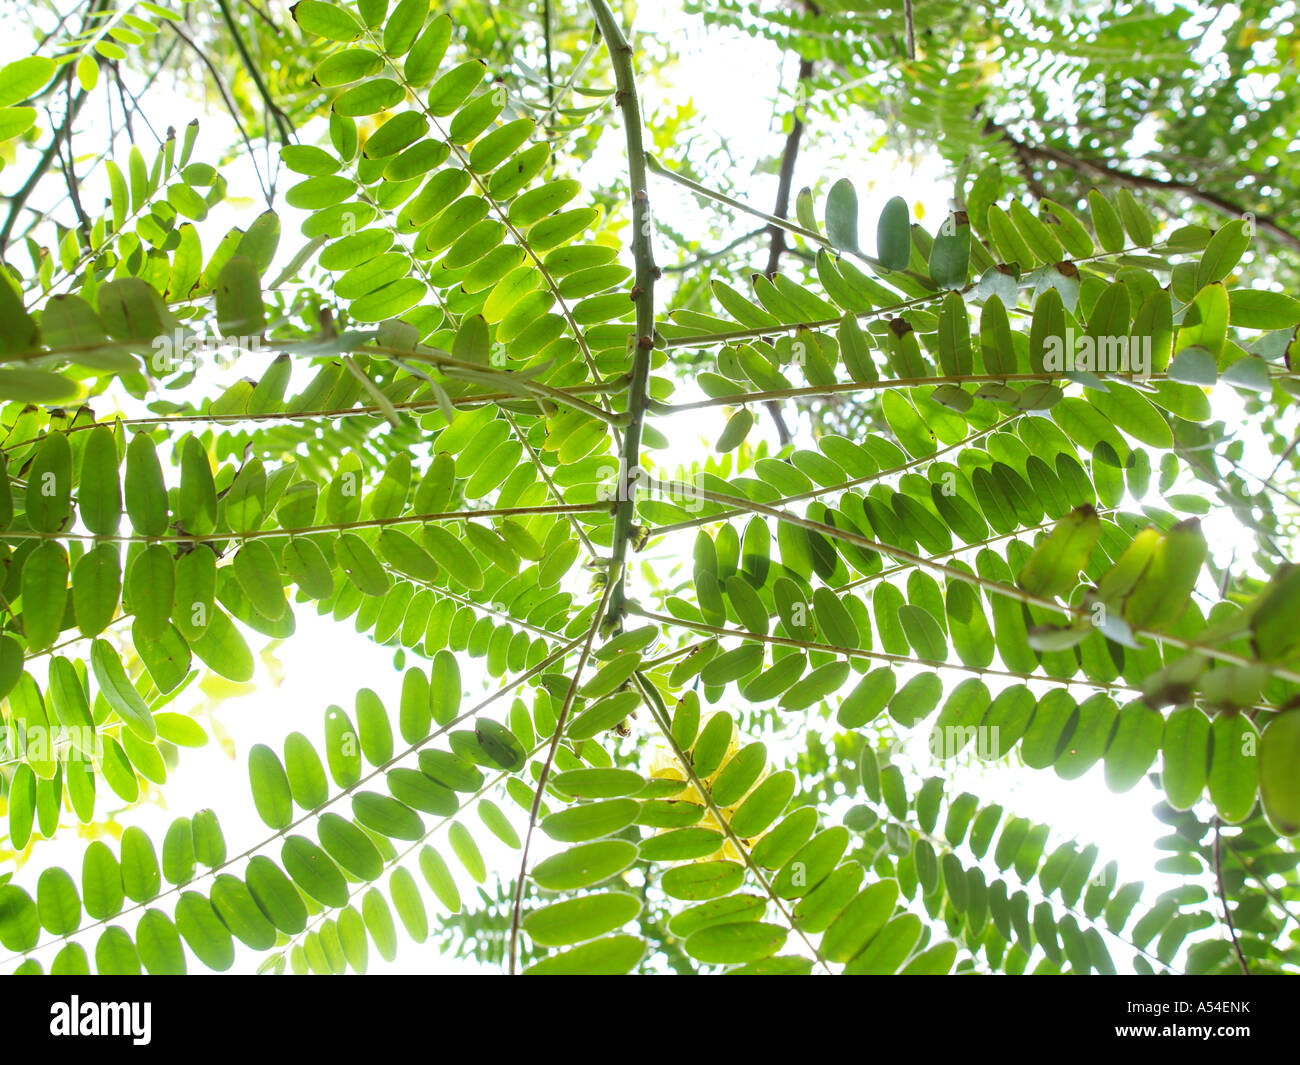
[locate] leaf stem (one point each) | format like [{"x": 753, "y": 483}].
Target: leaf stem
[
  {"x": 996, "y": 587},
  {"x": 307, "y": 530},
  {"x": 560, "y": 721}
]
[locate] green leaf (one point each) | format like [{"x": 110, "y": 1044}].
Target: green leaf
[
  {"x": 115, "y": 954},
  {"x": 888, "y": 949},
  {"x": 203, "y": 931},
  {"x": 258, "y": 575},
  {"x": 860, "y": 920},
  {"x": 198, "y": 498},
  {"x": 387, "y": 816},
  {"x": 453, "y": 88},
  {"x": 1234, "y": 775},
  {"x": 275, "y": 895},
  {"x": 500, "y": 744},
  {"x": 894, "y": 235},
  {"x": 410, "y": 908},
  {"x": 101, "y": 882},
  {"x": 996, "y": 347},
  {"x": 1279, "y": 784},
  {"x": 1053, "y": 569},
  {"x": 24, "y": 78},
  {"x": 326, "y": 20},
  {"x": 403, "y": 26},
  {"x": 306, "y": 566},
  {"x": 159, "y": 945},
  {"x": 44, "y": 591},
  {"x": 1251, "y": 308},
  {"x": 610, "y": 956},
  {"x": 178, "y": 852},
  {"x": 145, "y": 491},
  {"x": 314, "y": 872},
  {"x": 360, "y": 564},
  {"x": 1185, "y": 756},
  {"x": 1161, "y": 593},
  {"x": 764, "y": 805},
  {"x": 1194, "y": 366},
  {"x": 57, "y": 902},
  {"x": 1135, "y": 222},
  {"x": 141, "y": 877},
  {"x": 240, "y": 311},
  {"x": 1223, "y": 253},
  {"x": 842, "y": 216},
  {"x": 584, "y": 866},
  {"x": 439, "y": 878},
  {"x": 950, "y": 253},
  {"x": 150, "y": 590},
  {"x": 339, "y": 68},
  {"x": 466, "y": 850},
  {"x": 735, "y": 431},
  {"x": 99, "y": 494},
  {"x": 735, "y": 943},
  {"x": 209, "y": 843},
  {"x": 15, "y": 121},
  {"x": 271, "y": 793},
  {"x": 575, "y": 920},
  {"x": 20, "y": 927},
  {"x": 239, "y": 911},
  {"x": 223, "y": 649},
  {"x": 351, "y": 847},
  {"x": 1105, "y": 222},
  {"x": 589, "y": 821},
  {"x": 49, "y": 485},
  {"x": 119, "y": 691}
]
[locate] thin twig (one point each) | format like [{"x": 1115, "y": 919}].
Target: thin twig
[
  {"x": 1223, "y": 897},
  {"x": 19, "y": 199},
  {"x": 69, "y": 173},
  {"x": 708, "y": 257},
  {"x": 230, "y": 107},
  {"x": 560, "y": 721},
  {"x": 654, "y": 703},
  {"x": 283, "y": 126}
]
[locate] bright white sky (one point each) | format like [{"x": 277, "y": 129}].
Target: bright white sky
[{"x": 328, "y": 662}]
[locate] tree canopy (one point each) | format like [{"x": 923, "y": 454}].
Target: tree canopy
[{"x": 692, "y": 474}]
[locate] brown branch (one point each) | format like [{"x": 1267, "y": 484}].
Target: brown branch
[
  {"x": 785, "y": 180},
  {"x": 1264, "y": 224},
  {"x": 19, "y": 199},
  {"x": 708, "y": 257},
  {"x": 67, "y": 166},
  {"x": 230, "y": 107}
]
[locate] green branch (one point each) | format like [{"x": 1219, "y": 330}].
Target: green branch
[{"x": 646, "y": 273}]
